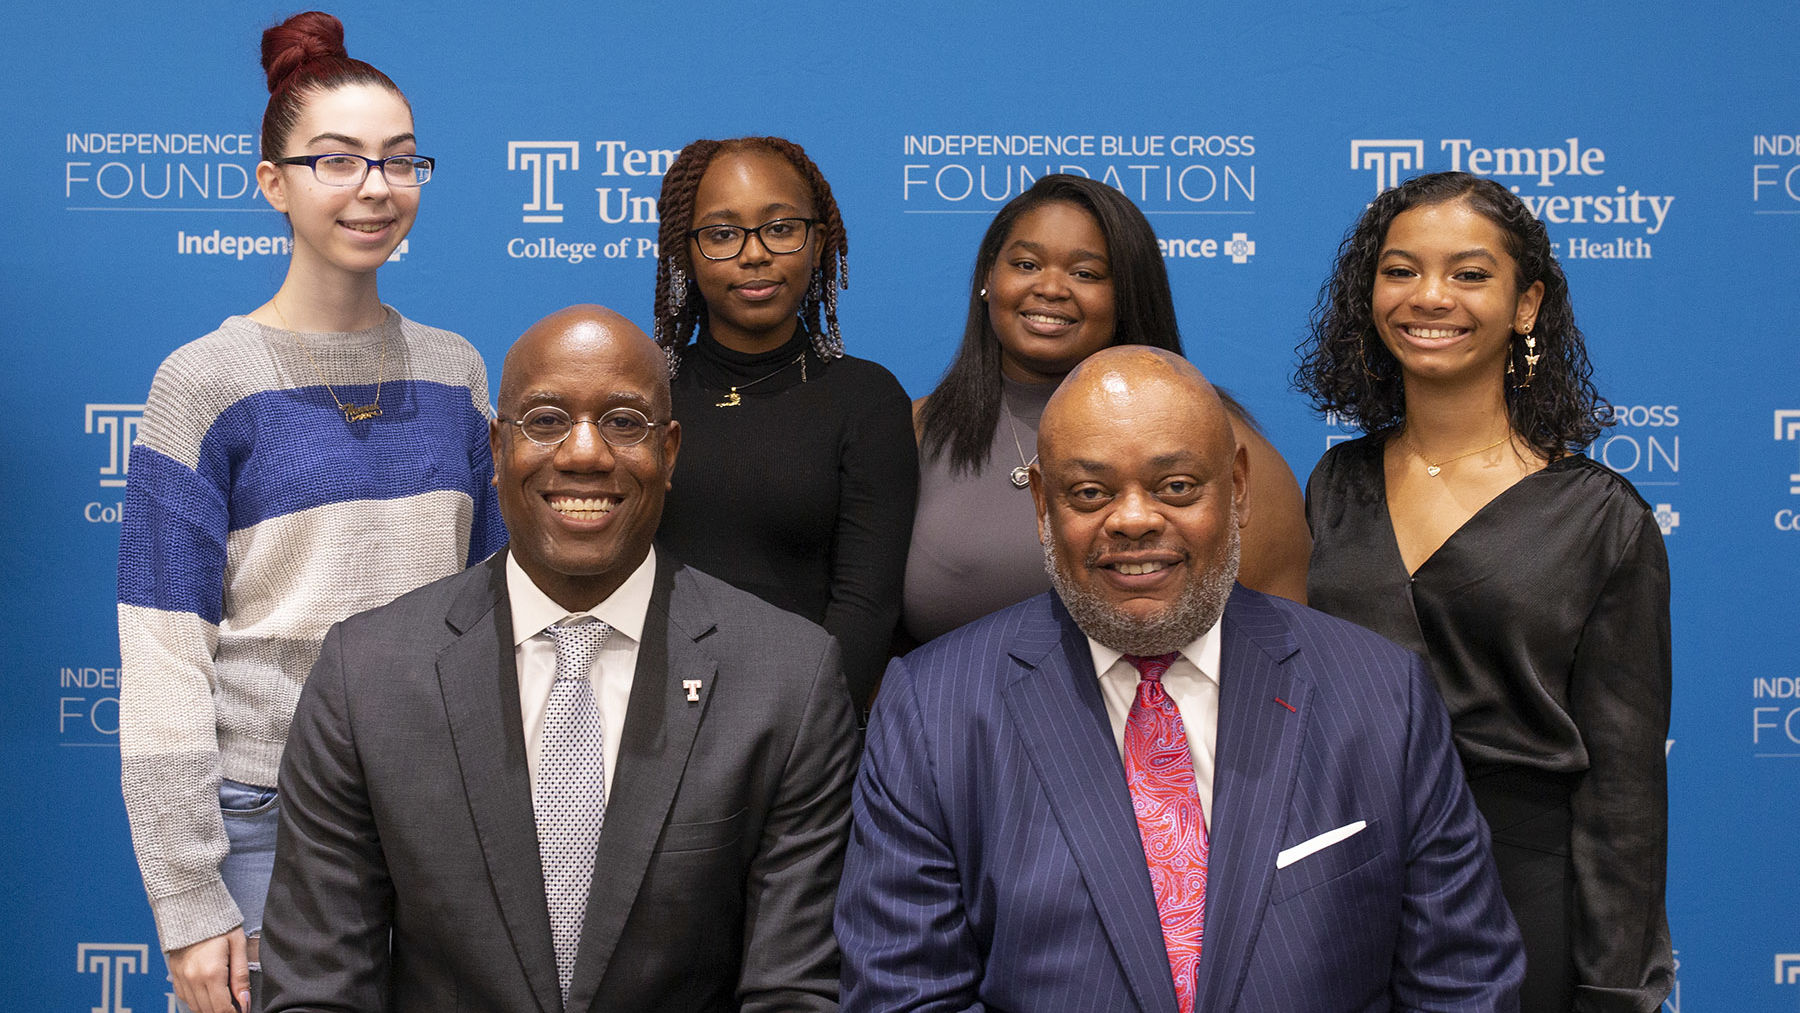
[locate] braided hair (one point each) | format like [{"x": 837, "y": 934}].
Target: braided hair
[{"x": 679, "y": 308}]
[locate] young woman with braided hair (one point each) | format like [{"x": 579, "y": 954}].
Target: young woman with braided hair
[
  {"x": 798, "y": 467},
  {"x": 315, "y": 457}
]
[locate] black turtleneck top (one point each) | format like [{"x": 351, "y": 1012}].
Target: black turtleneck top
[{"x": 803, "y": 492}]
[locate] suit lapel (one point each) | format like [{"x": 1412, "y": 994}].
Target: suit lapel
[
  {"x": 1253, "y": 780},
  {"x": 478, "y": 676},
  {"x": 660, "y": 726},
  {"x": 1054, "y": 701}
]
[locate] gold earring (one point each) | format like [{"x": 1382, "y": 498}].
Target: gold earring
[{"x": 1531, "y": 361}]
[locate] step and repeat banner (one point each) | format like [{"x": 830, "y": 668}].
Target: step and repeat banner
[{"x": 1662, "y": 148}]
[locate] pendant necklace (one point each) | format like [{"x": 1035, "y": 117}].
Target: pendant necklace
[
  {"x": 1021, "y": 476},
  {"x": 732, "y": 400},
  {"x": 1432, "y": 468},
  {"x": 352, "y": 412}
]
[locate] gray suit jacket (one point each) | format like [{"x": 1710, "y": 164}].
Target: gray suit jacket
[{"x": 407, "y": 873}]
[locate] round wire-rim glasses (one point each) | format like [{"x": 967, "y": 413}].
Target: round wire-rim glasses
[{"x": 548, "y": 426}]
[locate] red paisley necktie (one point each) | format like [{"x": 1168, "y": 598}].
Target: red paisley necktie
[{"x": 1160, "y": 772}]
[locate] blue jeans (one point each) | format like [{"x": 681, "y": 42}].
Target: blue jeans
[{"x": 251, "y": 814}]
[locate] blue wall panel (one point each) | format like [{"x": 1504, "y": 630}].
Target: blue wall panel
[{"x": 1252, "y": 139}]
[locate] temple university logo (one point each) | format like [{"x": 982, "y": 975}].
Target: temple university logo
[
  {"x": 1787, "y": 968},
  {"x": 542, "y": 159},
  {"x": 1787, "y": 427},
  {"x": 119, "y": 424},
  {"x": 1392, "y": 160},
  {"x": 112, "y": 962}
]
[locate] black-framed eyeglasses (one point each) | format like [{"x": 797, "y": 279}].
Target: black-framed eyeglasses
[
  {"x": 343, "y": 168},
  {"x": 724, "y": 242},
  {"x": 548, "y": 426}
]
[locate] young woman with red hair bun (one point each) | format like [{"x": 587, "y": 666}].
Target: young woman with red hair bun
[{"x": 313, "y": 458}]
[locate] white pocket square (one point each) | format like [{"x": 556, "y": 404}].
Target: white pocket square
[{"x": 1320, "y": 843}]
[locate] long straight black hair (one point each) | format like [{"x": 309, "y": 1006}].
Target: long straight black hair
[{"x": 962, "y": 413}]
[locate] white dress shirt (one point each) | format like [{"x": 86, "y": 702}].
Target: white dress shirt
[
  {"x": 614, "y": 664},
  {"x": 1192, "y": 681}
]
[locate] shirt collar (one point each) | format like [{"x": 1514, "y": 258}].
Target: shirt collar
[
  {"x": 1203, "y": 653},
  {"x": 533, "y": 611}
]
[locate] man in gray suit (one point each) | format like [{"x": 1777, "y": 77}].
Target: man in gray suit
[{"x": 491, "y": 801}]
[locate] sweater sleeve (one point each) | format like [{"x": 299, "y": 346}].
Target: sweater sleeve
[
  {"x": 171, "y": 587},
  {"x": 878, "y": 491},
  {"x": 487, "y": 532}
]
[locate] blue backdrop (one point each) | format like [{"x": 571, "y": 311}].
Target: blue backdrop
[{"x": 1659, "y": 144}]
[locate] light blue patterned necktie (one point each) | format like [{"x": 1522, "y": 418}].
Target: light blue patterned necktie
[{"x": 569, "y": 797}]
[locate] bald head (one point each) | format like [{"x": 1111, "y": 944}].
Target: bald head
[
  {"x": 582, "y": 331},
  {"x": 1117, "y": 386},
  {"x": 582, "y": 509},
  {"x": 1139, "y": 488}
]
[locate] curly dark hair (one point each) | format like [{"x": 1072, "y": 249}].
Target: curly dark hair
[
  {"x": 675, "y": 323},
  {"x": 964, "y": 410},
  {"x": 1346, "y": 369}
]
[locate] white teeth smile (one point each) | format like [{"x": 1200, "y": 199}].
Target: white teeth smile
[
  {"x": 583, "y": 509},
  {"x": 1045, "y": 318},
  {"x": 365, "y": 226},
  {"x": 1430, "y": 333},
  {"x": 1139, "y": 569}
]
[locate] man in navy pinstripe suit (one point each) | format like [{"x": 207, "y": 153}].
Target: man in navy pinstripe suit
[{"x": 995, "y": 861}]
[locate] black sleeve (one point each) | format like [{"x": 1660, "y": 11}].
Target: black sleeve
[
  {"x": 878, "y": 473},
  {"x": 1619, "y": 696}
]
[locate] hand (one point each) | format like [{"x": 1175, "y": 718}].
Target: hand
[{"x": 209, "y": 973}]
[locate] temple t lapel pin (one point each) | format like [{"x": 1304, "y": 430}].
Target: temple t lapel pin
[{"x": 693, "y": 689}]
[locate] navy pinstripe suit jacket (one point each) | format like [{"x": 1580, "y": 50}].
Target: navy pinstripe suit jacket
[{"x": 994, "y": 861}]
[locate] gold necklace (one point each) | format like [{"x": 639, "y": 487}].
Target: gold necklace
[
  {"x": 732, "y": 400},
  {"x": 1021, "y": 476},
  {"x": 1431, "y": 468},
  {"x": 352, "y": 412}
]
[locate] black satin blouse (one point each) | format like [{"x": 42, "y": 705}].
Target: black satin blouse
[{"x": 1545, "y": 619}]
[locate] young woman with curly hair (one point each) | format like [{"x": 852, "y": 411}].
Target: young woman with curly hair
[{"x": 1468, "y": 526}]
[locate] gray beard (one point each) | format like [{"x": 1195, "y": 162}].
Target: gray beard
[{"x": 1192, "y": 613}]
